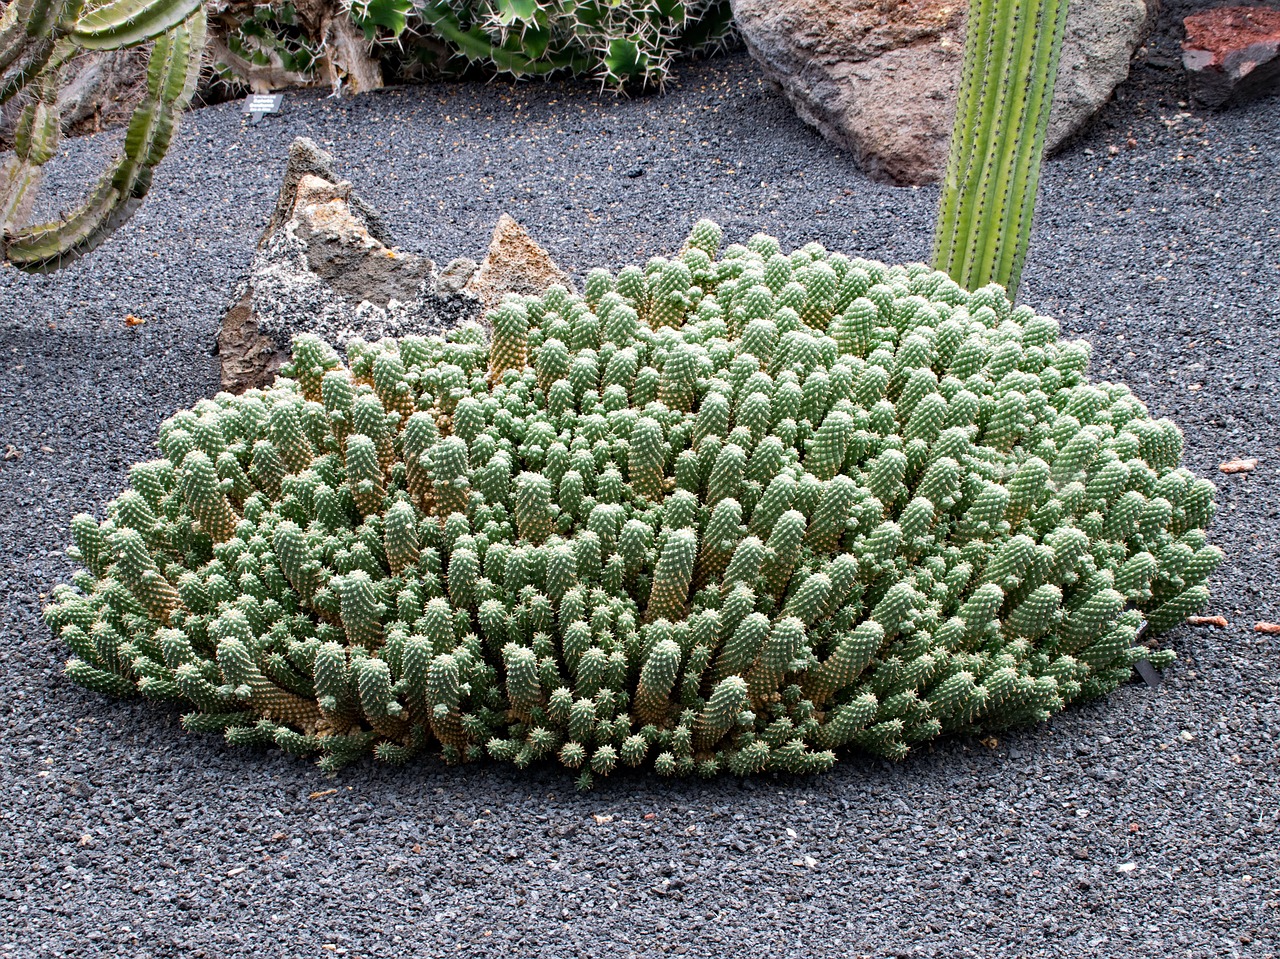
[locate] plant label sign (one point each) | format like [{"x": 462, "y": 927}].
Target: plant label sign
[
  {"x": 258, "y": 105},
  {"x": 1150, "y": 675}
]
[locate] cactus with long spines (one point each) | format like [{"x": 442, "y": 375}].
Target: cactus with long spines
[
  {"x": 623, "y": 43},
  {"x": 37, "y": 39},
  {"x": 837, "y": 531}
]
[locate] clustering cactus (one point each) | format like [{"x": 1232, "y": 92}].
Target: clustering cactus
[
  {"x": 37, "y": 39},
  {"x": 723, "y": 513}
]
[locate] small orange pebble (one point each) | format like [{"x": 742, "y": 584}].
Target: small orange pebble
[
  {"x": 1238, "y": 465},
  {"x": 132, "y": 320},
  {"x": 1271, "y": 629},
  {"x": 1208, "y": 621}
]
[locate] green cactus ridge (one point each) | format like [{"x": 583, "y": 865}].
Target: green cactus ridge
[
  {"x": 830, "y": 529},
  {"x": 1011, "y": 58}
]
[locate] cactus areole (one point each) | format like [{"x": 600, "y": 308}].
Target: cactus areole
[{"x": 725, "y": 512}]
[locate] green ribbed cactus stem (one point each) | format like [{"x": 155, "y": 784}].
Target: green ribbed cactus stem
[
  {"x": 1093, "y": 618},
  {"x": 783, "y": 551},
  {"x": 443, "y": 698},
  {"x": 449, "y": 468},
  {"x": 196, "y": 687},
  {"x": 809, "y": 602},
  {"x": 646, "y": 456},
  {"x": 419, "y": 435},
  {"x": 678, "y": 379},
  {"x": 720, "y": 714},
  {"x": 657, "y": 679},
  {"x": 178, "y": 30},
  {"x": 1172, "y": 612},
  {"x": 720, "y": 538},
  {"x": 672, "y": 576},
  {"x": 92, "y": 546},
  {"x": 705, "y": 236},
  {"x": 377, "y": 695},
  {"x": 335, "y": 688},
  {"x": 853, "y": 653},
  {"x": 524, "y": 687},
  {"x": 534, "y": 518},
  {"x": 312, "y": 359},
  {"x": 138, "y": 571},
  {"x": 510, "y": 347},
  {"x": 253, "y": 688},
  {"x": 775, "y": 658},
  {"x": 362, "y": 608},
  {"x": 997, "y": 145},
  {"x": 364, "y": 473},
  {"x": 284, "y": 427},
  {"x": 832, "y": 515},
  {"x": 202, "y": 490},
  {"x": 98, "y": 680},
  {"x": 401, "y": 523},
  {"x": 847, "y": 720}
]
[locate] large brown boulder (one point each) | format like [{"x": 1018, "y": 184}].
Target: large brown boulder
[{"x": 880, "y": 77}]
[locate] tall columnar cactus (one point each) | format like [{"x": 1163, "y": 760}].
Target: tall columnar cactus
[
  {"x": 871, "y": 509},
  {"x": 37, "y": 39},
  {"x": 1011, "y": 58}
]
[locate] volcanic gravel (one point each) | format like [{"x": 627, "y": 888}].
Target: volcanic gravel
[{"x": 1141, "y": 825}]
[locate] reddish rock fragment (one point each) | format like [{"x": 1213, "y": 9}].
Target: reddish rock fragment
[
  {"x": 1238, "y": 465},
  {"x": 1232, "y": 54}
]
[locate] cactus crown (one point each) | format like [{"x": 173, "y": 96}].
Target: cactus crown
[{"x": 725, "y": 512}]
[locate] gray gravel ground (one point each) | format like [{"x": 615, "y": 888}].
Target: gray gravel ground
[{"x": 1144, "y": 825}]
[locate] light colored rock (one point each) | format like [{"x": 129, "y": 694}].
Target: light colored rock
[
  {"x": 326, "y": 266},
  {"x": 514, "y": 264},
  {"x": 881, "y": 79}
]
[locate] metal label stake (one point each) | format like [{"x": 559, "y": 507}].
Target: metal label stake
[{"x": 258, "y": 105}]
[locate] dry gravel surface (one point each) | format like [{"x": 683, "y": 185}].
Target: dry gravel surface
[{"x": 1142, "y": 825}]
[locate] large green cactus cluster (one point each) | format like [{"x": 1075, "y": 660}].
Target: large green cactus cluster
[
  {"x": 37, "y": 40},
  {"x": 720, "y": 513}
]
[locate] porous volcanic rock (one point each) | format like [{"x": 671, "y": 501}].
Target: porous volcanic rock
[
  {"x": 326, "y": 265},
  {"x": 880, "y": 77},
  {"x": 1232, "y": 54},
  {"x": 514, "y": 264}
]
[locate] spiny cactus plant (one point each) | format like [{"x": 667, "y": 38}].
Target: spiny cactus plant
[
  {"x": 37, "y": 39},
  {"x": 624, "y": 43},
  {"x": 724, "y": 513},
  {"x": 1011, "y": 59}
]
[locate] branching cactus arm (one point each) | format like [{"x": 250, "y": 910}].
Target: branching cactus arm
[{"x": 32, "y": 53}]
